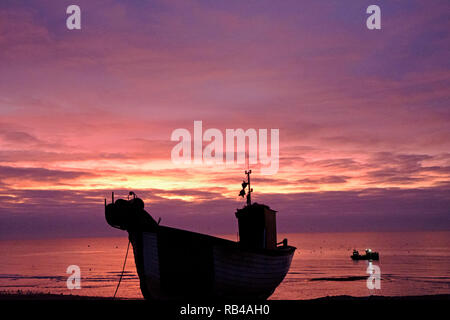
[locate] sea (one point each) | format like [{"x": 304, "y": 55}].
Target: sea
[{"x": 411, "y": 264}]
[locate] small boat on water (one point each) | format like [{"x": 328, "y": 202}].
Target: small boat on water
[
  {"x": 369, "y": 255},
  {"x": 175, "y": 264}
]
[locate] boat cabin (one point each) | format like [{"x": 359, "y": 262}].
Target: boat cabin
[
  {"x": 257, "y": 226},
  {"x": 257, "y": 222}
]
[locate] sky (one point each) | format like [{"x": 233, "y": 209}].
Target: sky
[{"x": 363, "y": 115}]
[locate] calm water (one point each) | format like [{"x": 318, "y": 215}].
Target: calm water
[{"x": 411, "y": 263}]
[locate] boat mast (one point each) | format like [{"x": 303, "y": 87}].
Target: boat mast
[{"x": 250, "y": 190}]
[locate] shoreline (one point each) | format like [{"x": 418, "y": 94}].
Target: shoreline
[{"x": 36, "y": 296}]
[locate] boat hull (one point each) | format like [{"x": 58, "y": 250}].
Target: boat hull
[
  {"x": 373, "y": 256},
  {"x": 175, "y": 264}
]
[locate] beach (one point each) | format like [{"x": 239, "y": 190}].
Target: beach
[{"x": 34, "y": 296}]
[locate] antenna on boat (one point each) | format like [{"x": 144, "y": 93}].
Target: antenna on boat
[
  {"x": 250, "y": 190},
  {"x": 246, "y": 184}
]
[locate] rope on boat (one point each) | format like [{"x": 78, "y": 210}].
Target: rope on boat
[{"x": 123, "y": 269}]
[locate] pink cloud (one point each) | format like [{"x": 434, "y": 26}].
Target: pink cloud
[{"x": 354, "y": 109}]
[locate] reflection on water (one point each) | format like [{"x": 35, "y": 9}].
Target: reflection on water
[
  {"x": 40, "y": 265},
  {"x": 411, "y": 263}
]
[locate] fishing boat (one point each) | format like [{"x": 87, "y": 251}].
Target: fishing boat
[
  {"x": 176, "y": 264},
  {"x": 369, "y": 255}
]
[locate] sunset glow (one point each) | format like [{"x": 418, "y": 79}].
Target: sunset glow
[{"x": 84, "y": 113}]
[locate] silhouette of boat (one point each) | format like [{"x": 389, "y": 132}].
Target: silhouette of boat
[
  {"x": 175, "y": 264},
  {"x": 369, "y": 255}
]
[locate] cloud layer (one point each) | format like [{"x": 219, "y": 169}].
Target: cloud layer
[{"x": 93, "y": 110}]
